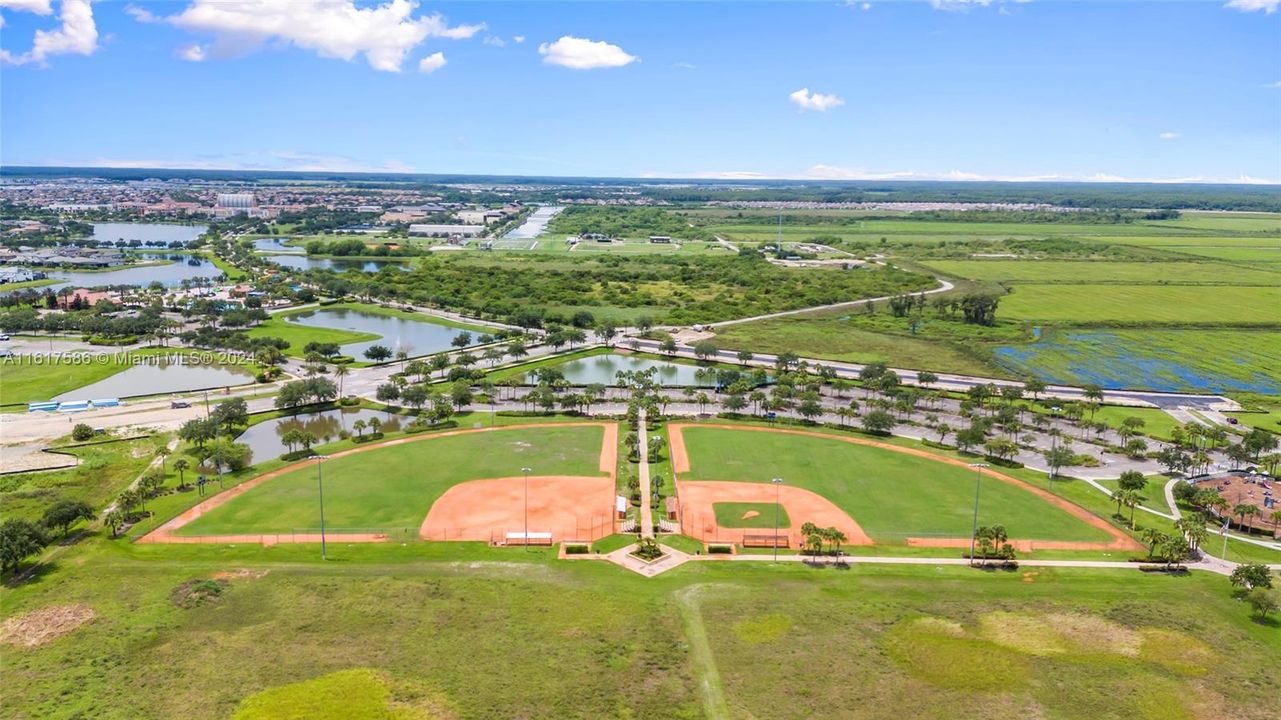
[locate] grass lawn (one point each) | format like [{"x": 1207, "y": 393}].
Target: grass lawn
[
  {"x": 1157, "y": 424},
  {"x": 735, "y": 515},
  {"x": 1094, "y": 271},
  {"x": 1139, "y": 303},
  {"x": 711, "y": 640},
  {"x": 407, "y": 480},
  {"x": 891, "y": 495}
]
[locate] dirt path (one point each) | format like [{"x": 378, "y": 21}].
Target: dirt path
[
  {"x": 1120, "y": 541},
  {"x": 165, "y": 533}
]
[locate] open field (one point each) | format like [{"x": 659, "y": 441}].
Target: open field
[
  {"x": 751, "y": 515},
  {"x": 924, "y": 640},
  {"x": 410, "y": 478},
  {"x": 1141, "y": 303},
  {"x": 1093, "y": 271},
  {"x": 105, "y": 469},
  {"x": 891, "y": 496}
]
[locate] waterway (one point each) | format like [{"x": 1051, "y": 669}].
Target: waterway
[
  {"x": 417, "y": 337},
  {"x": 160, "y": 375}
]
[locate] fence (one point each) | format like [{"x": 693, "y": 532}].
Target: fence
[{"x": 582, "y": 528}]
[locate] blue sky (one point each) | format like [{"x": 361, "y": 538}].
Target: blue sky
[{"x": 1036, "y": 90}]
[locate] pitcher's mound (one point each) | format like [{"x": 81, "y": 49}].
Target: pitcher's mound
[
  {"x": 44, "y": 625},
  {"x": 750, "y": 514}
]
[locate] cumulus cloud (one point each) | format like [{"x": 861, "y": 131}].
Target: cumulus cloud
[
  {"x": 77, "y": 35},
  {"x": 1265, "y": 6},
  {"x": 192, "y": 53},
  {"x": 583, "y": 54},
  {"x": 495, "y": 41},
  {"x": 141, "y": 14},
  {"x": 806, "y": 100},
  {"x": 958, "y": 5},
  {"x": 384, "y": 34},
  {"x": 1170, "y": 136},
  {"x": 432, "y": 63},
  {"x": 518, "y": 39}
]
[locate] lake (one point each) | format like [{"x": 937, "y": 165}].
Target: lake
[
  {"x": 602, "y": 368},
  {"x": 303, "y": 262},
  {"x": 535, "y": 224},
  {"x": 276, "y": 245},
  {"x": 264, "y": 438},
  {"x": 147, "y": 232},
  {"x": 160, "y": 375},
  {"x": 418, "y": 337}
]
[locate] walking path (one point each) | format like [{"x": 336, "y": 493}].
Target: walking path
[
  {"x": 646, "y": 512},
  {"x": 944, "y": 286}
]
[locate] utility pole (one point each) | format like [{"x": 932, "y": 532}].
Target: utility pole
[
  {"x": 320, "y": 486},
  {"x": 777, "y": 482},
  {"x": 974, "y": 524},
  {"x": 526, "y": 471}
]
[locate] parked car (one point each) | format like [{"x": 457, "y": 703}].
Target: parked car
[
  {"x": 5, "y": 336},
  {"x": 176, "y": 404},
  {"x": 1233, "y": 421}
]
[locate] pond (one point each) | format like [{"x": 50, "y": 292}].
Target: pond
[
  {"x": 177, "y": 268},
  {"x": 303, "y": 262},
  {"x": 264, "y": 438},
  {"x": 147, "y": 232},
  {"x": 418, "y": 337},
  {"x": 535, "y": 224},
  {"x": 602, "y": 369},
  {"x": 159, "y": 375},
  {"x": 276, "y": 245}
]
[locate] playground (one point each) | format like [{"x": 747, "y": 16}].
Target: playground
[
  {"x": 875, "y": 492},
  {"x": 453, "y": 485},
  {"x": 1241, "y": 489}
]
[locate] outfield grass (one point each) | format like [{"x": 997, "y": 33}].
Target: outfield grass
[
  {"x": 409, "y": 478},
  {"x": 732, "y": 515},
  {"x": 1140, "y": 303},
  {"x": 1097, "y": 271},
  {"x": 892, "y": 496}
]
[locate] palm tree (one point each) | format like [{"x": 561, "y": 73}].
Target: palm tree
[
  {"x": 181, "y": 466},
  {"x": 1275, "y": 517},
  {"x": 1245, "y": 510},
  {"x": 359, "y": 426},
  {"x": 1151, "y": 537},
  {"x": 163, "y": 453},
  {"x": 340, "y": 371},
  {"x": 1131, "y": 500}
]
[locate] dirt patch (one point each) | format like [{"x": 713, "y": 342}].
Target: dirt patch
[
  {"x": 239, "y": 574},
  {"x": 750, "y": 514},
  {"x": 570, "y": 508},
  {"x": 195, "y": 593},
  {"x": 41, "y": 626}
]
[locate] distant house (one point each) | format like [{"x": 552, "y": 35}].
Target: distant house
[
  {"x": 662, "y": 239},
  {"x": 88, "y": 298}
]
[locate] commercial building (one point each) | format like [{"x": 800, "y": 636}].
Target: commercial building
[
  {"x": 428, "y": 230},
  {"x": 236, "y": 201}
]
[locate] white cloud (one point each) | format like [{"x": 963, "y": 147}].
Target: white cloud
[
  {"x": 192, "y": 53},
  {"x": 1266, "y": 6},
  {"x": 78, "y": 34},
  {"x": 583, "y": 54},
  {"x": 806, "y": 100},
  {"x": 518, "y": 39},
  {"x": 958, "y": 5},
  {"x": 39, "y": 7},
  {"x": 432, "y": 63},
  {"x": 866, "y": 6},
  {"x": 1273, "y": 85},
  {"x": 141, "y": 14},
  {"x": 833, "y": 172},
  {"x": 385, "y": 33},
  {"x": 684, "y": 65},
  {"x": 1170, "y": 136},
  {"x": 272, "y": 160},
  {"x": 495, "y": 41}
]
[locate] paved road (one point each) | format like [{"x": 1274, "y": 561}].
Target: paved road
[{"x": 944, "y": 286}]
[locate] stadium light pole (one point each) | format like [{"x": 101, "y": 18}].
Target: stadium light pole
[
  {"x": 320, "y": 487},
  {"x": 526, "y": 471},
  {"x": 974, "y": 524},
  {"x": 777, "y": 483}
]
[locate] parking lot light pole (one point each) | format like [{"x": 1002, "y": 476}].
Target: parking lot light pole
[
  {"x": 974, "y": 524},
  {"x": 777, "y": 483},
  {"x": 320, "y": 487},
  {"x": 526, "y": 471}
]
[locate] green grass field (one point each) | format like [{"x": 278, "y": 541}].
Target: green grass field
[
  {"x": 735, "y": 515},
  {"x": 1140, "y": 303},
  {"x": 1094, "y": 271},
  {"x": 891, "y": 495},
  {"x": 104, "y": 470},
  {"x": 409, "y": 478}
]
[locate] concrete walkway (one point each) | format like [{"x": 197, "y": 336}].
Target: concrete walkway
[{"x": 646, "y": 512}]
